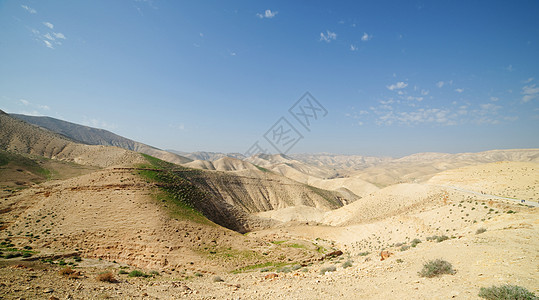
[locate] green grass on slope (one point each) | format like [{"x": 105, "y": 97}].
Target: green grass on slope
[
  {"x": 24, "y": 163},
  {"x": 177, "y": 193}
]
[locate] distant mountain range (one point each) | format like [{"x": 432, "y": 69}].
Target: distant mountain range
[{"x": 94, "y": 136}]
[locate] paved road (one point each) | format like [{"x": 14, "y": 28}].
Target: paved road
[{"x": 526, "y": 202}]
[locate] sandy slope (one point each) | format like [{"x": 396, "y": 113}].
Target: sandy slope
[{"x": 518, "y": 180}]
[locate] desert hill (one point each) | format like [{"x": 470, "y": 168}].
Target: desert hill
[
  {"x": 20, "y": 137},
  {"x": 338, "y": 161},
  {"x": 94, "y": 136},
  {"x": 208, "y": 156},
  {"x": 225, "y": 198},
  {"x": 422, "y": 166},
  {"x": 221, "y": 164},
  {"x": 518, "y": 180}
]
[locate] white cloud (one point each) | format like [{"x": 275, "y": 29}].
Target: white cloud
[
  {"x": 397, "y": 86},
  {"x": 48, "y": 24},
  {"x": 48, "y": 44},
  {"x": 424, "y": 92},
  {"x": 530, "y": 92},
  {"x": 528, "y": 80},
  {"x": 459, "y": 90},
  {"x": 440, "y": 84},
  {"x": 419, "y": 116},
  {"x": 353, "y": 48},
  {"x": 48, "y": 36},
  {"x": 366, "y": 37},
  {"x": 59, "y": 35},
  {"x": 411, "y": 98},
  {"x": 509, "y": 68},
  {"x": 328, "y": 36},
  {"x": 268, "y": 14},
  {"x": 494, "y": 99},
  {"x": 29, "y": 9},
  {"x": 35, "y": 107}
]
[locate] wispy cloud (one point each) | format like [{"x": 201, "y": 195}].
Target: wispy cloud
[
  {"x": 36, "y": 108},
  {"x": 59, "y": 35},
  {"x": 459, "y": 90},
  {"x": 353, "y": 48},
  {"x": 440, "y": 84},
  {"x": 49, "y": 39},
  {"x": 328, "y": 36},
  {"x": 48, "y": 44},
  {"x": 528, "y": 80},
  {"x": 530, "y": 92},
  {"x": 509, "y": 68},
  {"x": 366, "y": 37},
  {"x": 29, "y": 9},
  {"x": 397, "y": 86},
  {"x": 48, "y": 24},
  {"x": 268, "y": 14}
]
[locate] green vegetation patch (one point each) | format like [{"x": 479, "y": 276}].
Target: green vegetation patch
[
  {"x": 506, "y": 292},
  {"x": 435, "y": 268},
  {"x": 178, "y": 193},
  {"x": 23, "y": 163}
]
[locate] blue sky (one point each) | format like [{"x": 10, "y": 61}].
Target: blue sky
[{"x": 396, "y": 77}]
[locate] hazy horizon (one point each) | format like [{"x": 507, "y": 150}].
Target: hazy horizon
[{"x": 391, "y": 78}]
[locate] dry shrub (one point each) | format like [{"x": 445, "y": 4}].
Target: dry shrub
[
  {"x": 106, "y": 277},
  {"x": 66, "y": 271}
]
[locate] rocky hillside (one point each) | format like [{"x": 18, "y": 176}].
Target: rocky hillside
[
  {"x": 21, "y": 137},
  {"x": 94, "y": 136}
]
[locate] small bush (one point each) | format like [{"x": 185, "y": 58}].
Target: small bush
[
  {"x": 328, "y": 269},
  {"x": 121, "y": 272},
  {"x": 442, "y": 238},
  {"x": 415, "y": 242},
  {"x": 364, "y": 253},
  {"x": 284, "y": 270},
  {"x": 12, "y": 255},
  {"x": 106, "y": 277},
  {"x": 347, "y": 264},
  {"x": 217, "y": 279},
  {"x": 66, "y": 271},
  {"x": 136, "y": 273},
  {"x": 405, "y": 247},
  {"x": 295, "y": 267},
  {"x": 506, "y": 292},
  {"x": 436, "y": 267},
  {"x": 155, "y": 273},
  {"x": 198, "y": 274},
  {"x": 480, "y": 230},
  {"x": 26, "y": 254}
]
